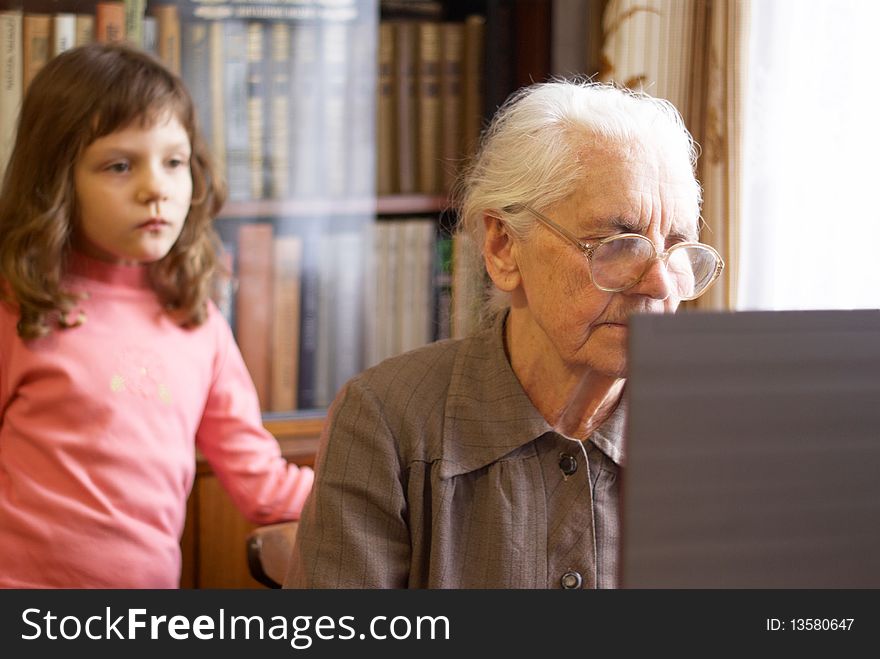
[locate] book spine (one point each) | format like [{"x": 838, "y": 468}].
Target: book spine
[
  {"x": 286, "y": 323},
  {"x": 11, "y": 81},
  {"x": 235, "y": 102},
  {"x": 168, "y": 36},
  {"x": 134, "y": 21},
  {"x": 150, "y": 35},
  {"x": 196, "y": 70},
  {"x": 429, "y": 122},
  {"x": 278, "y": 143},
  {"x": 254, "y": 303},
  {"x": 452, "y": 57},
  {"x": 85, "y": 29},
  {"x": 63, "y": 32},
  {"x": 532, "y": 25},
  {"x": 216, "y": 127},
  {"x": 109, "y": 22},
  {"x": 472, "y": 83},
  {"x": 305, "y": 148},
  {"x": 348, "y": 313},
  {"x": 37, "y": 33},
  {"x": 405, "y": 43},
  {"x": 309, "y": 293},
  {"x": 335, "y": 51},
  {"x": 386, "y": 149},
  {"x": 256, "y": 109},
  {"x": 361, "y": 109}
]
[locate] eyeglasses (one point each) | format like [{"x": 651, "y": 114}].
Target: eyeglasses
[{"x": 620, "y": 262}]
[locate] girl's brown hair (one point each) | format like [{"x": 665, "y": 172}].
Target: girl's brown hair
[{"x": 81, "y": 95}]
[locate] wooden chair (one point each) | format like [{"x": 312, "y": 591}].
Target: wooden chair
[{"x": 268, "y": 552}]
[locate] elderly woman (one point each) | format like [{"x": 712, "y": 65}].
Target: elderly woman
[{"x": 494, "y": 461}]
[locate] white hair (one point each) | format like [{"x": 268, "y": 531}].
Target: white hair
[{"x": 530, "y": 153}]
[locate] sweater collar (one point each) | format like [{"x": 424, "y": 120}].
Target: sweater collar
[
  {"x": 489, "y": 415},
  {"x": 127, "y": 276}
]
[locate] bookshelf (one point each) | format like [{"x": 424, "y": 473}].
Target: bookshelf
[{"x": 340, "y": 127}]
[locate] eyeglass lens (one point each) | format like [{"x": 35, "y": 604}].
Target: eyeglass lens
[{"x": 621, "y": 263}]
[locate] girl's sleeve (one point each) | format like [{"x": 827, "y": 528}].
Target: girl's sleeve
[{"x": 245, "y": 457}]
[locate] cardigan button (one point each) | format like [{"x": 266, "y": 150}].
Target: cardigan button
[
  {"x": 571, "y": 580},
  {"x": 568, "y": 464}
]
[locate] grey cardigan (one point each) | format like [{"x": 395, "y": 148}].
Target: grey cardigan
[{"x": 436, "y": 471}]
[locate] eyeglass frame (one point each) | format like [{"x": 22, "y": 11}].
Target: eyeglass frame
[{"x": 588, "y": 249}]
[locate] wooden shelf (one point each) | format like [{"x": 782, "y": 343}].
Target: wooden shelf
[{"x": 387, "y": 205}]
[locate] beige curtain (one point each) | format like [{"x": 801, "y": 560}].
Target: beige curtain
[{"x": 694, "y": 54}]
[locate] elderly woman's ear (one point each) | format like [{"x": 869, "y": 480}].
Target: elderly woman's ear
[{"x": 499, "y": 252}]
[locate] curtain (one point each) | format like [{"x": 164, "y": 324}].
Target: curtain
[{"x": 694, "y": 54}]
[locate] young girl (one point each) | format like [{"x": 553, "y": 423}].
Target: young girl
[{"x": 114, "y": 364}]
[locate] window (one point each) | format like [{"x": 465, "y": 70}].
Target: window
[{"x": 811, "y": 223}]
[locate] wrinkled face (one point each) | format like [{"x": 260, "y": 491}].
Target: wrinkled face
[
  {"x": 628, "y": 189},
  {"x": 133, "y": 192}
]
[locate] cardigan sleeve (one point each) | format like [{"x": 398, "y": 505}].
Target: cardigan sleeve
[
  {"x": 245, "y": 457},
  {"x": 354, "y": 531}
]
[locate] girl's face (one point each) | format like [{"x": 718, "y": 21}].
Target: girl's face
[{"x": 133, "y": 192}]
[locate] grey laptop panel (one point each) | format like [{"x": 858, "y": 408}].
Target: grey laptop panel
[{"x": 753, "y": 451}]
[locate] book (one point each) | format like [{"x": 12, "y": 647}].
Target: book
[
  {"x": 326, "y": 322},
  {"x": 85, "y": 29},
  {"x": 472, "y": 92},
  {"x": 428, "y": 104},
  {"x": 11, "y": 81},
  {"x": 405, "y": 48},
  {"x": 374, "y": 302},
  {"x": 253, "y": 309},
  {"x": 235, "y": 105},
  {"x": 393, "y": 273},
  {"x": 451, "y": 99},
  {"x": 361, "y": 109},
  {"x": 569, "y": 21},
  {"x": 347, "y": 315},
  {"x": 468, "y": 285},
  {"x": 422, "y": 240},
  {"x": 109, "y": 22},
  {"x": 150, "y": 36},
  {"x": 257, "y": 89},
  {"x": 500, "y": 50},
  {"x": 442, "y": 316},
  {"x": 134, "y": 21},
  {"x": 309, "y": 330},
  {"x": 278, "y": 139},
  {"x": 305, "y": 113},
  {"x": 335, "y": 50},
  {"x": 215, "y": 129},
  {"x": 196, "y": 71},
  {"x": 63, "y": 32},
  {"x": 168, "y": 36},
  {"x": 286, "y": 323},
  {"x": 37, "y": 37},
  {"x": 532, "y": 25},
  {"x": 386, "y": 150}
]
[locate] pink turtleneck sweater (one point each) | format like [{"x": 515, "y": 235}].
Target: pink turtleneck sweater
[{"x": 98, "y": 434}]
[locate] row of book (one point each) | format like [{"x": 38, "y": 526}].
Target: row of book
[
  {"x": 313, "y": 303},
  {"x": 429, "y": 102},
  {"x": 286, "y": 105}
]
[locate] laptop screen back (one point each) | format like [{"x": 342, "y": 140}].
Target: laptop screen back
[{"x": 753, "y": 451}]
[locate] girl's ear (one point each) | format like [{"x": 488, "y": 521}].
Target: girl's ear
[{"x": 499, "y": 253}]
